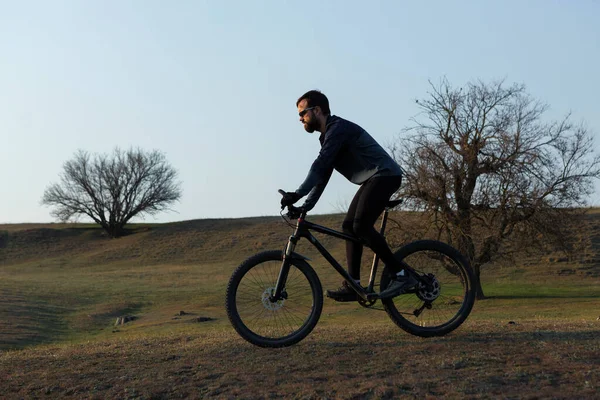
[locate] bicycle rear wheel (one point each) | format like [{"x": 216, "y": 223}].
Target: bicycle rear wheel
[
  {"x": 441, "y": 305},
  {"x": 273, "y": 324}
]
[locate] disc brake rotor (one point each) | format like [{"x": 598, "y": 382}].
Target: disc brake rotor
[{"x": 268, "y": 304}]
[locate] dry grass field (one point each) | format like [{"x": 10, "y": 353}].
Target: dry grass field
[{"x": 62, "y": 287}]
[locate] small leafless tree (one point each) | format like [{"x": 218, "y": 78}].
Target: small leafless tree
[
  {"x": 490, "y": 173},
  {"x": 112, "y": 189}
]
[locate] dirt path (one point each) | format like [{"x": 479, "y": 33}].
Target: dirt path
[{"x": 531, "y": 359}]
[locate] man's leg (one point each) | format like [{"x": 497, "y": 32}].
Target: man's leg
[
  {"x": 353, "y": 250},
  {"x": 353, "y": 254},
  {"x": 370, "y": 205}
]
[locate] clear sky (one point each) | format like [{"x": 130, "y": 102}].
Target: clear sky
[{"x": 213, "y": 84}]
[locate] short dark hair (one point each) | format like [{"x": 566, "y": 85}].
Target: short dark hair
[{"x": 315, "y": 98}]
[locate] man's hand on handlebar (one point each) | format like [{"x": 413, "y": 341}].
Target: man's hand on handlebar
[{"x": 288, "y": 198}]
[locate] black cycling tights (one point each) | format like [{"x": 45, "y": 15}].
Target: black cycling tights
[{"x": 367, "y": 205}]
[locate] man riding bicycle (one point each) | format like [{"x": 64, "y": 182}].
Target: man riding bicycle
[{"x": 349, "y": 149}]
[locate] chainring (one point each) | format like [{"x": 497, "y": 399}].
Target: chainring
[{"x": 366, "y": 303}]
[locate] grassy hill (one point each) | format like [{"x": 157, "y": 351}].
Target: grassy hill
[
  {"x": 187, "y": 242},
  {"x": 62, "y": 286},
  {"x": 67, "y": 281}
]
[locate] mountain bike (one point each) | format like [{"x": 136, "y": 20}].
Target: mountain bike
[{"x": 275, "y": 298}]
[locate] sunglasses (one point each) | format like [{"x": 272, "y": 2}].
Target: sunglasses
[{"x": 303, "y": 112}]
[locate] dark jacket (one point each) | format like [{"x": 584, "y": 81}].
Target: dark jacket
[{"x": 349, "y": 149}]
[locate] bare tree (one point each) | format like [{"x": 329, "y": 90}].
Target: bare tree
[
  {"x": 490, "y": 173},
  {"x": 112, "y": 189}
]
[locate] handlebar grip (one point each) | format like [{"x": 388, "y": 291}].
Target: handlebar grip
[{"x": 281, "y": 192}]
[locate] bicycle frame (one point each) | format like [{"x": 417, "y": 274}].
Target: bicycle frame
[{"x": 302, "y": 230}]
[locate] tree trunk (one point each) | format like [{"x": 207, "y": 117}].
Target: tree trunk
[
  {"x": 113, "y": 230},
  {"x": 467, "y": 248},
  {"x": 479, "y": 295}
]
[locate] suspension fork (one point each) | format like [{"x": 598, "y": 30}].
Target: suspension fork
[{"x": 285, "y": 266}]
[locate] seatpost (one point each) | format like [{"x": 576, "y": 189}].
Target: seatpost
[{"x": 376, "y": 257}]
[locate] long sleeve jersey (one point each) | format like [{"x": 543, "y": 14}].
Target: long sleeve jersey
[{"x": 349, "y": 149}]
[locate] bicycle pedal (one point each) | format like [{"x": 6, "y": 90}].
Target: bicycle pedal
[{"x": 343, "y": 299}]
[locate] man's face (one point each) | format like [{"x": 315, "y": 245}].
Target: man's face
[{"x": 307, "y": 117}]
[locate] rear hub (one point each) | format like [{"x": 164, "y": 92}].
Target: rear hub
[{"x": 429, "y": 291}]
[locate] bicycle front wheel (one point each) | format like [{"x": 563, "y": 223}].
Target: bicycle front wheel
[
  {"x": 273, "y": 324},
  {"x": 443, "y": 301}
]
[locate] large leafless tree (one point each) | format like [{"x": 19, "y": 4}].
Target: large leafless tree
[
  {"x": 112, "y": 189},
  {"x": 490, "y": 172}
]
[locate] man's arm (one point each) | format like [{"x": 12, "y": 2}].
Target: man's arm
[
  {"x": 316, "y": 193},
  {"x": 322, "y": 167}
]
